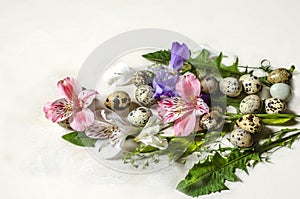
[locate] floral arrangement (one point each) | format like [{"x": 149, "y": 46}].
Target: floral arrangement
[{"x": 185, "y": 104}]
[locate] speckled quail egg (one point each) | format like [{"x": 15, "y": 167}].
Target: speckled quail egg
[
  {"x": 144, "y": 95},
  {"x": 274, "y": 105},
  {"x": 230, "y": 86},
  {"x": 281, "y": 91},
  {"x": 209, "y": 84},
  {"x": 212, "y": 120},
  {"x": 65, "y": 124},
  {"x": 117, "y": 101},
  {"x": 139, "y": 116},
  {"x": 143, "y": 77},
  {"x": 279, "y": 75},
  {"x": 250, "y": 123},
  {"x": 250, "y": 104},
  {"x": 251, "y": 84},
  {"x": 241, "y": 138}
]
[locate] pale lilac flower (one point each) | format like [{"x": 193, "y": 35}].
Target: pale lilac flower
[
  {"x": 164, "y": 83},
  {"x": 72, "y": 106},
  {"x": 179, "y": 54}
]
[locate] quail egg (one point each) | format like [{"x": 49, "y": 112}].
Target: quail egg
[
  {"x": 139, "y": 116},
  {"x": 209, "y": 84},
  {"x": 279, "y": 75},
  {"x": 65, "y": 124},
  {"x": 212, "y": 120},
  {"x": 143, "y": 77},
  {"x": 250, "y": 104},
  {"x": 281, "y": 91},
  {"x": 241, "y": 138},
  {"x": 274, "y": 105},
  {"x": 117, "y": 101},
  {"x": 250, "y": 123},
  {"x": 230, "y": 86},
  {"x": 144, "y": 95},
  {"x": 251, "y": 84}
]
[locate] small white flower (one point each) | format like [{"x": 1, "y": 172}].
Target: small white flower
[
  {"x": 111, "y": 134},
  {"x": 118, "y": 75},
  {"x": 149, "y": 134}
]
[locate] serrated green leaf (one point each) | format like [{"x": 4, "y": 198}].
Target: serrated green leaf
[
  {"x": 210, "y": 176},
  {"x": 161, "y": 56},
  {"x": 79, "y": 139},
  {"x": 205, "y": 61}
]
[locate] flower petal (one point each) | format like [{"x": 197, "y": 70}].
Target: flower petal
[
  {"x": 118, "y": 75},
  {"x": 58, "y": 110},
  {"x": 113, "y": 118},
  {"x": 149, "y": 132},
  {"x": 69, "y": 88},
  {"x": 201, "y": 107},
  {"x": 86, "y": 97},
  {"x": 82, "y": 119},
  {"x": 151, "y": 128},
  {"x": 100, "y": 130},
  {"x": 179, "y": 53},
  {"x": 117, "y": 138},
  {"x": 164, "y": 82},
  {"x": 185, "y": 125},
  {"x": 155, "y": 141},
  {"x": 170, "y": 109},
  {"x": 188, "y": 87}
]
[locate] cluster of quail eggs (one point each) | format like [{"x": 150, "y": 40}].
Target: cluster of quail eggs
[
  {"x": 214, "y": 119},
  {"x": 119, "y": 101},
  {"x": 249, "y": 123},
  {"x": 251, "y": 85}
]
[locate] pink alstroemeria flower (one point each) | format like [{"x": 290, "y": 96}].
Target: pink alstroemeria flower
[
  {"x": 184, "y": 110},
  {"x": 73, "y": 105}
]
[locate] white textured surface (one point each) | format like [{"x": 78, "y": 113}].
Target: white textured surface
[{"x": 44, "y": 41}]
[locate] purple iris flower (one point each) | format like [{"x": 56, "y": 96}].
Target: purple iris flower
[
  {"x": 164, "y": 83},
  {"x": 179, "y": 54}
]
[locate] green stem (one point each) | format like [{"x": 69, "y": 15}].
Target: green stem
[
  {"x": 230, "y": 116},
  {"x": 277, "y": 143},
  {"x": 252, "y": 67}
]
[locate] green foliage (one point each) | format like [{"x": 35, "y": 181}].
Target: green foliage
[
  {"x": 235, "y": 102},
  {"x": 273, "y": 119},
  {"x": 292, "y": 68},
  {"x": 161, "y": 56},
  {"x": 210, "y": 175},
  {"x": 205, "y": 61},
  {"x": 265, "y": 81},
  {"x": 79, "y": 139}
]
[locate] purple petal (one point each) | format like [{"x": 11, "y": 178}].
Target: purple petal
[
  {"x": 164, "y": 83},
  {"x": 206, "y": 98},
  {"x": 179, "y": 54}
]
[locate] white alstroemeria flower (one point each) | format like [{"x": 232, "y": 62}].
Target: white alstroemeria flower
[
  {"x": 118, "y": 75},
  {"x": 111, "y": 134},
  {"x": 148, "y": 135}
]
